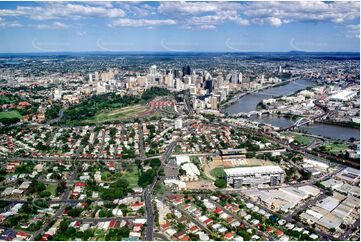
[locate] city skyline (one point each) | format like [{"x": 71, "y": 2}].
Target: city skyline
[{"x": 179, "y": 26}]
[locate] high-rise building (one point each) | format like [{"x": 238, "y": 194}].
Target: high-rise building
[
  {"x": 280, "y": 69},
  {"x": 186, "y": 70},
  {"x": 240, "y": 77},
  {"x": 153, "y": 70},
  {"x": 90, "y": 78},
  {"x": 208, "y": 85},
  {"x": 176, "y": 74},
  {"x": 96, "y": 76},
  {"x": 234, "y": 77},
  {"x": 214, "y": 103}
]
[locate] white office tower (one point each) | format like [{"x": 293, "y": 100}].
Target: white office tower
[
  {"x": 234, "y": 77},
  {"x": 195, "y": 103},
  {"x": 179, "y": 84},
  {"x": 192, "y": 90},
  {"x": 280, "y": 69},
  {"x": 240, "y": 77},
  {"x": 194, "y": 79},
  {"x": 220, "y": 80},
  {"x": 169, "y": 81},
  {"x": 111, "y": 74},
  {"x": 105, "y": 77},
  {"x": 100, "y": 88},
  {"x": 262, "y": 79},
  {"x": 214, "y": 103},
  {"x": 58, "y": 92},
  {"x": 90, "y": 78},
  {"x": 153, "y": 72},
  {"x": 208, "y": 76},
  {"x": 141, "y": 81},
  {"x": 96, "y": 76},
  {"x": 178, "y": 124},
  {"x": 187, "y": 80}
]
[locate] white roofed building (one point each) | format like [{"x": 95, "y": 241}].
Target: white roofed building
[{"x": 253, "y": 176}]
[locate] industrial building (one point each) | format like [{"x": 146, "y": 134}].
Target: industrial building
[{"x": 253, "y": 176}]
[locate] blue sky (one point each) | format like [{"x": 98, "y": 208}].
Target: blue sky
[{"x": 179, "y": 26}]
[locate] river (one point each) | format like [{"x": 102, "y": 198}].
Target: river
[
  {"x": 249, "y": 103},
  {"x": 326, "y": 130}
]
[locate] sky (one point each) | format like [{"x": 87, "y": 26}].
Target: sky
[{"x": 179, "y": 26}]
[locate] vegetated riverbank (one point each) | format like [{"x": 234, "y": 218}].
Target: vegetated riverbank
[{"x": 351, "y": 125}]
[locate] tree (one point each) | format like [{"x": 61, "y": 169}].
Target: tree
[
  {"x": 75, "y": 212},
  {"x": 220, "y": 183},
  {"x": 45, "y": 194}
]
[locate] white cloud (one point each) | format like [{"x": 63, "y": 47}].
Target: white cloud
[
  {"x": 210, "y": 21},
  {"x": 204, "y": 15},
  {"x": 126, "y": 22},
  {"x": 57, "y": 10},
  {"x": 9, "y": 24},
  {"x": 272, "y": 13},
  {"x": 55, "y": 25},
  {"x": 353, "y": 31}
]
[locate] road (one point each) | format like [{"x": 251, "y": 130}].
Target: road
[
  {"x": 161, "y": 237},
  {"x": 148, "y": 193},
  {"x": 60, "y": 211},
  {"x": 141, "y": 141}
]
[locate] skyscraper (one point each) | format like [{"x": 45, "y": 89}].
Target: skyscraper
[
  {"x": 208, "y": 85},
  {"x": 234, "y": 77},
  {"x": 240, "y": 77},
  {"x": 186, "y": 70},
  {"x": 214, "y": 103}
]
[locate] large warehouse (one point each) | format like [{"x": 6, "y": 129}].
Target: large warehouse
[{"x": 253, "y": 176}]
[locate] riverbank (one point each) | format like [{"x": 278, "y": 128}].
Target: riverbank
[
  {"x": 240, "y": 94},
  {"x": 351, "y": 125},
  {"x": 249, "y": 103}
]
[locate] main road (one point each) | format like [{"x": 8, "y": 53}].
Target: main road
[{"x": 149, "y": 189}]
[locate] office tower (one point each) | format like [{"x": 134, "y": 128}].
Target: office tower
[
  {"x": 220, "y": 80},
  {"x": 240, "y": 78},
  {"x": 90, "y": 78},
  {"x": 280, "y": 69},
  {"x": 178, "y": 84},
  {"x": 187, "y": 80},
  {"x": 186, "y": 70},
  {"x": 176, "y": 74},
  {"x": 262, "y": 79},
  {"x": 96, "y": 76},
  {"x": 214, "y": 103},
  {"x": 153, "y": 70},
  {"x": 169, "y": 81},
  {"x": 208, "y": 86},
  {"x": 234, "y": 77}
]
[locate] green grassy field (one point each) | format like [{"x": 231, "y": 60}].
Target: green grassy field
[
  {"x": 117, "y": 114},
  {"x": 132, "y": 177},
  {"x": 51, "y": 188},
  {"x": 302, "y": 140},
  {"x": 334, "y": 149},
  {"x": 10, "y": 114},
  {"x": 218, "y": 172}
]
